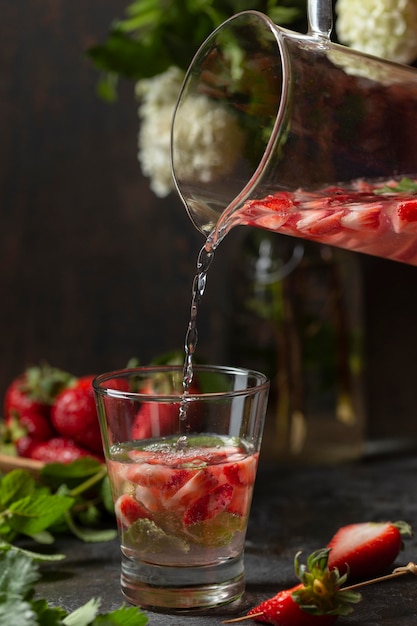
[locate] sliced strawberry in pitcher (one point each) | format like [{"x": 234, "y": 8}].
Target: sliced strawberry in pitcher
[
  {"x": 404, "y": 217},
  {"x": 209, "y": 505},
  {"x": 320, "y": 222},
  {"x": 128, "y": 510},
  {"x": 362, "y": 217}
]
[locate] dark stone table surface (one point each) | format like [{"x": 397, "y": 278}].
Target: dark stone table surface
[{"x": 294, "y": 508}]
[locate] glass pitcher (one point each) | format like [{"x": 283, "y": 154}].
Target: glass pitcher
[{"x": 309, "y": 138}]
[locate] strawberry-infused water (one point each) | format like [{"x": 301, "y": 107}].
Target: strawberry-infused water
[
  {"x": 378, "y": 218},
  {"x": 183, "y": 505},
  {"x": 182, "y": 478}
]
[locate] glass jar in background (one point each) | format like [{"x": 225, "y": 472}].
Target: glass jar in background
[{"x": 297, "y": 316}]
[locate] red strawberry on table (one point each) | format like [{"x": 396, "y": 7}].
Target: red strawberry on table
[
  {"x": 367, "y": 549},
  {"x": 74, "y": 415},
  {"x": 282, "y": 610},
  {"x": 317, "y": 601}
]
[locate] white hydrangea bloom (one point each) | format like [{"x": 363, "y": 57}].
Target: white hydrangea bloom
[
  {"x": 209, "y": 136},
  {"x": 158, "y": 96},
  {"x": 384, "y": 28}
]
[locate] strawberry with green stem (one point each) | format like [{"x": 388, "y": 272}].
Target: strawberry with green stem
[
  {"x": 315, "y": 602},
  {"x": 27, "y": 405}
]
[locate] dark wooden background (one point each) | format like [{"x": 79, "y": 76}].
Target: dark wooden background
[{"x": 94, "y": 269}]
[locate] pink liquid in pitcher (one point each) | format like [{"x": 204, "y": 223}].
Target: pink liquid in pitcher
[{"x": 378, "y": 218}]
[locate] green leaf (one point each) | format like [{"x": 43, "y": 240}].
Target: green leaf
[
  {"x": 48, "y": 616},
  {"x": 90, "y": 535},
  {"x": 33, "y": 515},
  {"x": 405, "y": 185},
  {"x": 35, "y": 556},
  {"x": 56, "y": 473},
  {"x": 84, "y": 615},
  {"x": 125, "y": 616},
  {"x": 17, "y": 612},
  {"x": 106, "y": 495},
  {"x": 16, "y": 485},
  {"x": 18, "y": 573}
]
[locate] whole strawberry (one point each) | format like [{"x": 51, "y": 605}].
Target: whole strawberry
[
  {"x": 157, "y": 419},
  {"x": 283, "y": 610},
  {"x": 27, "y": 405},
  {"x": 316, "y": 601},
  {"x": 33, "y": 392},
  {"x": 367, "y": 549},
  {"x": 57, "y": 450},
  {"x": 74, "y": 415}
]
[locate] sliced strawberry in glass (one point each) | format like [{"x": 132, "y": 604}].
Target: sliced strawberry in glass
[
  {"x": 208, "y": 505},
  {"x": 199, "y": 483},
  {"x": 239, "y": 504},
  {"x": 241, "y": 473},
  {"x": 148, "y": 498},
  {"x": 128, "y": 510}
]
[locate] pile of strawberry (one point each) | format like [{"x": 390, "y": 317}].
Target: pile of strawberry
[{"x": 50, "y": 415}]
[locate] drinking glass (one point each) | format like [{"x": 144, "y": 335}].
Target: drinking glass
[
  {"x": 308, "y": 138},
  {"x": 182, "y": 468}
]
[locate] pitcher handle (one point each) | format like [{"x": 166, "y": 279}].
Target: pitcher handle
[{"x": 320, "y": 18}]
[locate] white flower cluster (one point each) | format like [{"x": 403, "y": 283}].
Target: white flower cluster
[
  {"x": 158, "y": 96},
  {"x": 209, "y": 136},
  {"x": 384, "y": 28}
]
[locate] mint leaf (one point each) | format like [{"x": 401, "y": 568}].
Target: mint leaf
[
  {"x": 35, "y": 556},
  {"x": 405, "y": 185},
  {"x": 106, "y": 495},
  {"x": 31, "y": 515},
  {"x": 80, "y": 468},
  {"x": 84, "y": 615},
  {"x": 46, "y": 615},
  {"x": 16, "y": 612},
  {"x": 16, "y": 485},
  {"x": 125, "y": 616},
  {"x": 90, "y": 535},
  {"x": 18, "y": 573}
]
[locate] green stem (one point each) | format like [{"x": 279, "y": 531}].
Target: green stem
[{"x": 90, "y": 482}]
